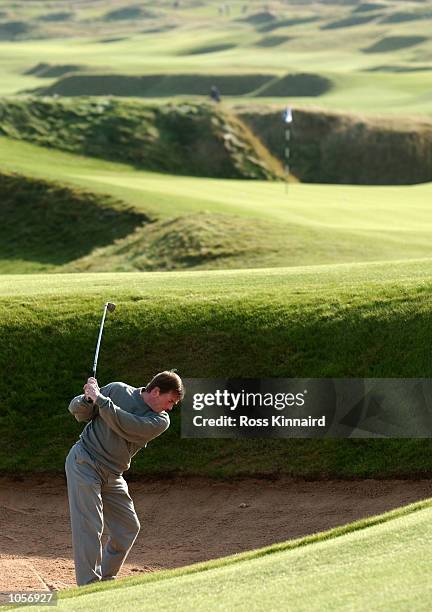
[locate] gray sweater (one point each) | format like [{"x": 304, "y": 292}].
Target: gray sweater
[{"x": 120, "y": 423}]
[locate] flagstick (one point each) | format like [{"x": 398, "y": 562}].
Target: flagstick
[
  {"x": 287, "y": 117},
  {"x": 287, "y": 157}
]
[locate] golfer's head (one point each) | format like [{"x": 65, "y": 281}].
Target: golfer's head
[{"x": 164, "y": 391}]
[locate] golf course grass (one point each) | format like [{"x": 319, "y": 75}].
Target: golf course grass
[
  {"x": 382, "y": 562},
  {"x": 120, "y": 181},
  {"x": 352, "y": 320},
  {"x": 207, "y": 223},
  {"x": 375, "y": 61},
  {"x": 244, "y": 142},
  {"x": 190, "y": 139}
]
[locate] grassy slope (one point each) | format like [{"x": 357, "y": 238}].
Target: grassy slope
[
  {"x": 338, "y": 321},
  {"x": 208, "y": 140},
  {"x": 309, "y": 224},
  {"x": 342, "y": 148},
  {"x": 45, "y": 224},
  {"x": 195, "y": 140},
  {"x": 381, "y": 562}
]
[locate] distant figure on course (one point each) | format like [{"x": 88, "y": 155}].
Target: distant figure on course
[{"x": 215, "y": 94}]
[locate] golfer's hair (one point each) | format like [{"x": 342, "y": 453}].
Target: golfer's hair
[{"x": 167, "y": 381}]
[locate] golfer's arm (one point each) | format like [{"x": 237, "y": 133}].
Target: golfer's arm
[
  {"x": 137, "y": 429},
  {"x": 81, "y": 409}
]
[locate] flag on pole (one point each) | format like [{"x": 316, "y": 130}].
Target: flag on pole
[{"x": 287, "y": 115}]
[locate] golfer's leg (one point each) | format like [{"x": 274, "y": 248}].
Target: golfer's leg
[
  {"x": 85, "y": 504},
  {"x": 122, "y": 525}
]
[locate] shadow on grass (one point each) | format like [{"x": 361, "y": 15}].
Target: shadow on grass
[{"x": 53, "y": 224}]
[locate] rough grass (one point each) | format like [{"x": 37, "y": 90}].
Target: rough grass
[
  {"x": 287, "y": 23},
  {"x": 350, "y": 22},
  {"x": 392, "y": 43},
  {"x": 59, "y": 16},
  {"x": 342, "y": 148},
  {"x": 273, "y": 41},
  {"x": 127, "y": 12},
  {"x": 48, "y": 71},
  {"x": 294, "y": 85},
  {"x": 402, "y": 16},
  {"x": 15, "y": 30},
  {"x": 259, "y": 18},
  {"x": 206, "y": 140},
  {"x": 370, "y": 320},
  {"x": 152, "y": 86},
  {"x": 204, "y": 240},
  {"x": 369, "y": 6},
  {"x": 46, "y": 224},
  {"x": 202, "y": 50},
  {"x": 180, "y": 139},
  {"x": 225, "y": 241}
]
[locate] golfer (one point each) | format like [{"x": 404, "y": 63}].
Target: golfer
[{"x": 120, "y": 421}]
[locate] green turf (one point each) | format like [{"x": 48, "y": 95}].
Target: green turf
[
  {"x": 191, "y": 139},
  {"x": 381, "y": 562},
  {"x": 198, "y": 40},
  {"x": 244, "y": 142},
  {"x": 46, "y": 224},
  {"x": 318, "y": 321},
  {"x": 216, "y": 223}
]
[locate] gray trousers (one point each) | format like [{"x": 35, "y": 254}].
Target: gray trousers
[{"x": 97, "y": 499}]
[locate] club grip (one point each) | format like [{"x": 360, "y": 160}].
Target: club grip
[{"x": 88, "y": 399}]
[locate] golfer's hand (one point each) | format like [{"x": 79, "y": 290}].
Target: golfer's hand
[{"x": 91, "y": 389}]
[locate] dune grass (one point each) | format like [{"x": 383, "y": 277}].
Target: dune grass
[
  {"x": 190, "y": 139},
  {"x": 382, "y": 561}
]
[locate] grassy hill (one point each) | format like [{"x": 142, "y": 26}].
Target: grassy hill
[
  {"x": 47, "y": 224},
  {"x": 197, "y": 140},
  {"x": 337, "y": 569},
  {"x": 356, "y": 320}
]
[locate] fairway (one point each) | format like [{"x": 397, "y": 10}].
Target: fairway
[{"x": 334, "y": 206}]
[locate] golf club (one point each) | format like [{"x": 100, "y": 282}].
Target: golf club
[{"x": 109, "y": 306}]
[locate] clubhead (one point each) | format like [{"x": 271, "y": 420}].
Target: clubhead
[{"x": 111, "y": 307}]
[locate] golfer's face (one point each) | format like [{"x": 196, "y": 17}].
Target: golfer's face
[{"x": 166, "y": 401}]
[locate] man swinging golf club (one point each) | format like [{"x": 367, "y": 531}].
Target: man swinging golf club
[{"x": 121, "y": 420}]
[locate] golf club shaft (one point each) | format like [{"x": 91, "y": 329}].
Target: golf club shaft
[
  {"x": 98, "y": 346},
  {"x": 99, "y": 341}
]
